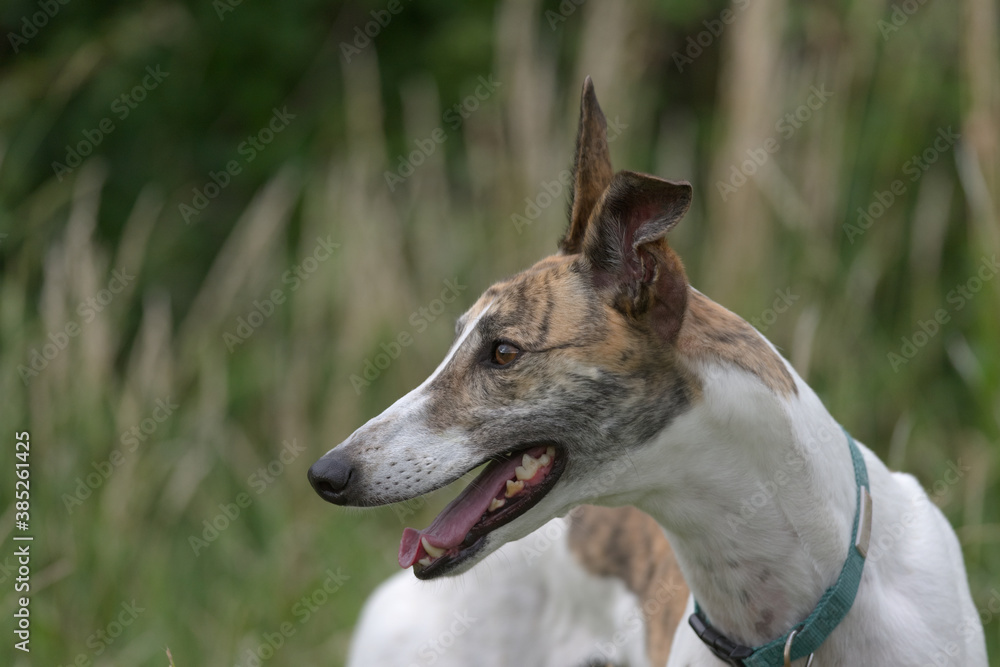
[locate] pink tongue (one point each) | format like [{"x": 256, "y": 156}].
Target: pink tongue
[{"x": 454, "y": 523}]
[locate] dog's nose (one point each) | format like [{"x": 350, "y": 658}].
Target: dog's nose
[{"x": 330, "y": 477}]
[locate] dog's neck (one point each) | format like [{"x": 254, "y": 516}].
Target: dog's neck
[{"x": 755, "y": 488}]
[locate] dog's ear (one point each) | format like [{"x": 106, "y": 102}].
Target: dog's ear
[
  {"x": 626, "y": 248},
  {"x": 591, "y": 168}
]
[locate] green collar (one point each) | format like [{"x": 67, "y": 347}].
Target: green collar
[{"x": 804, "y": 639}]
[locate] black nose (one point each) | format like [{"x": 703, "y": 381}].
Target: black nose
[{"x": 330, "y": 477}]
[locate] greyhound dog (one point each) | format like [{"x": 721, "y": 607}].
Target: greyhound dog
[
  {"x": 599, "y": 375},
  {"x": 598, "y": 588}
]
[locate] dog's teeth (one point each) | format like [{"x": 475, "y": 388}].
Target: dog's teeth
[
  {"x": 514, "y": 487},
  {"x": 544, "y": 460},
  {"x": 551, "y": 452},
  {"x": 435, "y": 552},
  {"x": 527, "y": 469},
  {"x": 496, "y": 504},
  {"x": 426, "y": 560}
]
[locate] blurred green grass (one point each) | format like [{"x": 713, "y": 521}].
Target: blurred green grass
[{"x": 162, "y": 337}]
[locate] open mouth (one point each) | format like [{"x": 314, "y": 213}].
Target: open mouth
[{"x": 507, "y": 488}]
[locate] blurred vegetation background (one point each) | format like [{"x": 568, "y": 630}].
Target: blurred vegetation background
[{"x": 158, "y": 404}]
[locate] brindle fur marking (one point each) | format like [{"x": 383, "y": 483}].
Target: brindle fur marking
[
  {"x": 625, "y": 543},
  {"x": 711, "y": 331},
  {"x": 563, "y": 334}
]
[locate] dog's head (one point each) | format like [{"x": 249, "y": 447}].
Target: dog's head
[{"x": 554, "y": 375}]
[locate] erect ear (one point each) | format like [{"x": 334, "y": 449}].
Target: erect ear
[
  {"x": 627, "y": 252},
  {"x": 591, "y": 168}
]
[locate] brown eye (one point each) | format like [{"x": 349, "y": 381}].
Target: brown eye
[{"x": 504, "y": 353}]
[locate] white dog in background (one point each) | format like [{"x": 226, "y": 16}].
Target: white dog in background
[{"x": 600, "y": 588}]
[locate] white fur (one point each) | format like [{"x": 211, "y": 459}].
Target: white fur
[
  {"x": 529, "y": 603},
  {"x": 913, "y": 606}
]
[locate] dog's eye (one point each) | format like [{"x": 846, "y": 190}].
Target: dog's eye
[{"x": 504, "y": 353}]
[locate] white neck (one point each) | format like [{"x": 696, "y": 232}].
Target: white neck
[{"x": 757, "y": 495}]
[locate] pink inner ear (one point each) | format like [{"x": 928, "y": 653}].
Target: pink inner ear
[
  {"x": 638, "y": 214},
  {"x": 647, "y": 265},
  {"x": 640, "y": 264}
]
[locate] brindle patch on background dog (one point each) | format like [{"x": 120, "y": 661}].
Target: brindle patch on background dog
[{"x": 623, "y": 542}]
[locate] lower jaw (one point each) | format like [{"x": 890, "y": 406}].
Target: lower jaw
[{"x": 448, "y": 564}]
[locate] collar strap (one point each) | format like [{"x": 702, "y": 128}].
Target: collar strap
[{"x": 831, "y": 608}]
